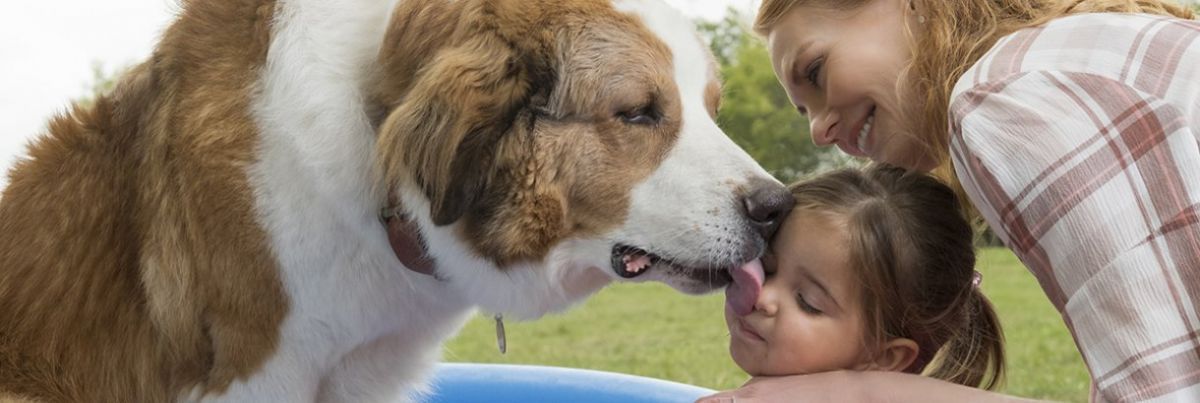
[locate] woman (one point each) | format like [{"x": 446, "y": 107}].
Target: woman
[{"x": 1072, "y": 127}]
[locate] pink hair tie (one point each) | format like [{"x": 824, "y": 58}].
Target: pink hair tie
[{"x": 976, "y": 279}]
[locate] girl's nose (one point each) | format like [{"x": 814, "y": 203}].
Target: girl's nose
[{"x": 766, "y": 303}]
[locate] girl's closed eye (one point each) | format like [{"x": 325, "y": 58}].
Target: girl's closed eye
[{"x": 805, "y": 306}]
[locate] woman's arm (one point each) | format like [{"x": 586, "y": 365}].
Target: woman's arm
[{"x": 851, "y": 386}]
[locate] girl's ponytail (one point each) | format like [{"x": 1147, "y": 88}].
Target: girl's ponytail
[{"x": 974, "y": 353}]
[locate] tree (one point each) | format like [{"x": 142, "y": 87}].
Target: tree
[{"x": 756, "y": 112}]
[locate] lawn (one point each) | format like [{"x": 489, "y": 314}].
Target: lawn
[{"x": 648, "y": 329}]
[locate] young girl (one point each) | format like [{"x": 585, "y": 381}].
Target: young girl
[
  {"x": 1073, "y": 128},
  {"x": 873, "y": 270}
]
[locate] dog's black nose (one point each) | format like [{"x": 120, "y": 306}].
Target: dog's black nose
[{"x": 767, "y": 203}]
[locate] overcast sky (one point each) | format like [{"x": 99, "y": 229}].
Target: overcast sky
[{"x": 48, "y": 47}]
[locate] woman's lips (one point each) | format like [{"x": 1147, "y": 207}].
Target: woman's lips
[
  {"x": 850, "y": 149},
  {"x": 856, "y": 141},
  {"x": 864, "y": 134}
]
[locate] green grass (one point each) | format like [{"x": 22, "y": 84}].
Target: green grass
[
  {"x": 1042, "y": 359},
  {"x": 650, "y": 330}
]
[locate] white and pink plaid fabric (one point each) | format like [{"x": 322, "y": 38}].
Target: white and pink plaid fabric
[{"x": 1078, "y": 143}]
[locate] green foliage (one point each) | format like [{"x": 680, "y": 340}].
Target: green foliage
[
  {"x": 755, "y": 111},
  {"x": 724, "y": 37},
  {"x": 651, "y": 330}
]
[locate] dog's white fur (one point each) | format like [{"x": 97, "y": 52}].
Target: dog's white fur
[{"x": 344, "y": 287}]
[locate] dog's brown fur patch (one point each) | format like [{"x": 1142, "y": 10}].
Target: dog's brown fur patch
[
  {"x": 511, "y": 121},
  {"x": 131, "y": 265}
]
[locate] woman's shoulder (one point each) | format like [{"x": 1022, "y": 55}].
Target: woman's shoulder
[
  {"x": 1135, "y": 20},
  {"x": 1048, "y": 95},
  {"x": 1101, "y": 44}
]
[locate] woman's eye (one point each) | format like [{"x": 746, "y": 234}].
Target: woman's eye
[
  {"x": 805, "y": 306},
  {"x": 813, "y": 72},
  {"x": 642, "y": 116}
]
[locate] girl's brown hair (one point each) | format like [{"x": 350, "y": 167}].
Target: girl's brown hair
[
  {"x": 912, "y": 251},
  {"x": 953, "y": 36}
]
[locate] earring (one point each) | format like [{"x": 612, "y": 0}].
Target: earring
[{"x": 912, "y": 5}]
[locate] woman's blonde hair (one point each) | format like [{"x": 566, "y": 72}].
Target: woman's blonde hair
[{"x": 953, "y": 36}]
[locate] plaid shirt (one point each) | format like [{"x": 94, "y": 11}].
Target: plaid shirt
[{"x": 1078, "y": 143}]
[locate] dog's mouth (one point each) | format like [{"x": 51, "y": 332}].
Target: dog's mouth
[{"x": 631, "y": 262}]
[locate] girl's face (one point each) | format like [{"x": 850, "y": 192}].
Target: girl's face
[
  {"x": 807, "y": 318},
  {"x": 841, "y": 67}
]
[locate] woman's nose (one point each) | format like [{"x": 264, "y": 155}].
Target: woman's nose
[{"x": 820, "y": 128}]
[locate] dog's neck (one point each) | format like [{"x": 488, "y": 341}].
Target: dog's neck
[
  {"x": 409, "y": 246},
  {"x": 405, "y": 238}
]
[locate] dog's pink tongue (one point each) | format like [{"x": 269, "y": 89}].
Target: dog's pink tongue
[{"x": 747, "y": 283}]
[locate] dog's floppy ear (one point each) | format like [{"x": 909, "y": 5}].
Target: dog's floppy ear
[{"x": 445, "y": 130}]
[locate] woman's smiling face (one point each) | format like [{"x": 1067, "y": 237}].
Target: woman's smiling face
[{"x": 840, "y": 68}]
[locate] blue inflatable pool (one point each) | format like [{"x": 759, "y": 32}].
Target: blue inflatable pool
[{"x": 497, "y": 383}]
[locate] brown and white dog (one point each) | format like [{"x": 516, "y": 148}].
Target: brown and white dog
[{"x": 211, "y": 229}]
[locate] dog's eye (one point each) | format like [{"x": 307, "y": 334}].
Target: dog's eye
[{"x": 644, "y": 116}]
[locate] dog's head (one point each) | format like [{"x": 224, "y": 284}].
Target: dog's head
[{"x": 562, "y": 144}]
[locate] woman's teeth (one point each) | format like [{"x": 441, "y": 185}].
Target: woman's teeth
[{"x": 862, "y": 134}]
